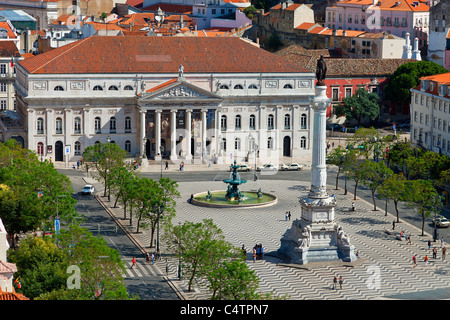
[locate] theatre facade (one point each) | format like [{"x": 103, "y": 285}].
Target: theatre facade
[{"x": 180, "y": 98}]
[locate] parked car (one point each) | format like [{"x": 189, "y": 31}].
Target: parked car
[
  {"x": 243, "y": 167},
  {"x": 267, "y": 167},
  {"x": 334, "y": 127},
  {"x": 441, "y": 222},
  {"x": 291, "y": 166},
  {"x": 88, "y": 189}
]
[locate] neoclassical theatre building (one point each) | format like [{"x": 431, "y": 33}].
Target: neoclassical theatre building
[{"x": 189, "y": 99}]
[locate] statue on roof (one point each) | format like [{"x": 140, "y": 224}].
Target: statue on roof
[
  {"x": 181, "y": 72},
  {"x": 321, "y": 70}
]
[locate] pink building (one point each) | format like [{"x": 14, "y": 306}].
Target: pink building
[{"x": 396, "y": 17}]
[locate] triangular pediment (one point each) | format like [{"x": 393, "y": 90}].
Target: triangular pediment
[{"x": 179, "y": 90}]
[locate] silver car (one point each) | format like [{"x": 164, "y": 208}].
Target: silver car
[
  {"x": 88, "y": 189},
  {"x": 441, "y": 222}
]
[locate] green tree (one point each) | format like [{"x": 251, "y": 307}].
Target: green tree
[
  {"x": 373, "y": 175},
  {"x": 104, "y": 157},
  {"x": 421, "y": 194},
  {"x": 337, "y": 157},
  {"x": 393, "y": 188},
  {"x": 408, "y": 76},
  {"x": 359, "y": 106}
]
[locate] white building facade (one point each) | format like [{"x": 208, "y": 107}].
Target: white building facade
[
  {"x": 430, "y": 113},
  {"x": 186, "y": 98}
]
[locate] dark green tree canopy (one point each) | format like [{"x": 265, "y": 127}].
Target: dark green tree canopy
[
  {"x": 408, "y": 76},
  {"x": 359, "y": 106}
]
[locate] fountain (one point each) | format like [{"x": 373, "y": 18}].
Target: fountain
[{"x": 233, "y": 197}]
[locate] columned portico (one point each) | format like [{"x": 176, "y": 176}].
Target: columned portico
[
  {"x": 158, "y": 154},
  {"x": 188, "y": 156},
  {"x": 173, "y": 134}
]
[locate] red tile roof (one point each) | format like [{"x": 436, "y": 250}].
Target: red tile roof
[
  {"x": 394, "y": 5},
  {"x": 8, "y": 49},
  {"x": 443, "y": 78},
  {"x": 11, "y": 296},
  {"x": 135, "y": 54}
]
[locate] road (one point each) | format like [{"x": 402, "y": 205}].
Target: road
[{"x": 143, "y": 280}]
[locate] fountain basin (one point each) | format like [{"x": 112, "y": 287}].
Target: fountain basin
[{"x": 219, "y": 200}]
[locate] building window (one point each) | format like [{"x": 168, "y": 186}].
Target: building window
[
  {"x": 98, "y": 125},
  {"x": 270, "y": 143},
  {"x": 287, "y": 122},
  {"x": 270, "y": 122},
  {"x": 252, "y": 123},
  {"x": 127, "y": 125},
  {"x": 40, "y": 126},
  {"x": 58, "y": 127},
  {"x": 3, "y": 68},
  {"x": 40, "y": 148},
  {"x": 223, "y": 144},
  {"x": 2, "y": 104},
  {"x": 2, "y": 87},
  {"x": 238, "y": 86},
  {"x": 335, "y": 94},
  {"x": 128, "y": 146},
  {"x": 112, "y": 125},
  {"x": 287, "y": 86},
  {"x": 237, "y": 144},
  {"x": 128, "y": 88},
  {"x": 58, "y": 88},
  {"x": 77, "y": 125},
  {"x": 223, "y": 86},
  {"x": 77, "y": 148},
  {"x": 113, "y": 88},
  {"x": 237, "y": 122},
  {"x": 303, "y": 121},
  {"x": 348, "y": 92},
  {"x": 252, "y": 86},
  {"x": 223, "y": 123},
  {"x": 303, "y": 142},
  {"x": 98, "y": 88}
]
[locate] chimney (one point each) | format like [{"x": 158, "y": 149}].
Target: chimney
[
  {"x": 416, "y": 52},
  {"x": 407, "y": 48}
]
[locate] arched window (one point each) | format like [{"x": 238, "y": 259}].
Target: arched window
[
  {"x": 223, "y": 123},
  {"x": 238, "y": 86},
  {"x": 58, "y": 126},
  {"x": 127, "y": 125},
  {"x": 77, "y": 125},
  {"x": 112, "y": 125},
  {"x": 128, "y": 146},
  {"x": 252, "y": 86},
  {"x": 223, "y": 86},
  {"x": 223, "y": 144},
  {"x": 270, "y": 122},
  {"x": 252, "y": 122},
  {"x": 58, "y": 88},
  {"x": 98, "y": 88},
  {"x": 287, "y": 122},
  {"x": 113, "y": 88},
  {"x": 98, "y": 125},
  {"x": 77, "y": 148},
  {"x": 287, "y": 86},
  {"x": 128, "y": 88},
  {"x": 97, "y": 142},
  {"x": 237, "y": 144},
  {"x": 303, "y": 121},
  {"x": 237, "y": 122},
  {"x": 40, "y": 126},
  {"x": 303, "y": 142},
  {"x": 270, "y": 143}
]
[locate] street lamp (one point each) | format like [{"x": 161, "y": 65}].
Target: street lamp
[
  {"x": 108, "y": 140},
  {"x": 160, "y": 211},
  {"x": 144, "y": 156},
  {"x": 160, "y": 152}
]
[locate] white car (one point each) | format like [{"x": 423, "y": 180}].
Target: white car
[
  {"x": 88, "y": 189},
  {"x": 243, "y": 167},
  {"x": 291, "y": 166},
  {"x": 267, "y": 167},
  {"x": 441, "y": 222}
]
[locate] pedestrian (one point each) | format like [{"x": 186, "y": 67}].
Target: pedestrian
[
  {"x": 167, "y": 165},
  {"x": 434, "y": 253},
  {"x": 393, "y": 225},
  {"x": 442, "y": 242},
  {"x": 289, "y": 215},
  {"x": 334, "y": 282},
  {"x": 285, "y": 216},
  {"x": 244, "y": 251},
  {"x": 147, "y": 257},
  {"x": 429, "y": 244},
  {"x": 409, "y": 239},
  {"x": 426, "y": 260},
  {"x": 153, "y": 258},
  {"x": 444, "y": 251},
  {"x": 134, "y": 263},
  {"x": 353, "y": 206},
  {"x": 414, "y": 259},
  {"x": 341, "y": 281},
  {"x": 254, "y": 254}
]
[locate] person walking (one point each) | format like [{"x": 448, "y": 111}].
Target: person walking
[
  {"x": 393, "y": 225},
  {"x": 254, "y": 254},
  {"x": 341, "y": 281},
  {"x": 409, "y": 239},
  {"x": 429, "y": 244},
  {"x": 434, "y": 253},
  {"x": 335, "y": 282},
  {"x": 167, "y": 165},
  {"x": 289, "y": 215},
  {"x": 426, "y": 260},
  {"x": 444, "y": 251},
  {"x": 442, "y": 242},
  {"x": 414, "y": 259},
  {"x": 153, "y": 258},
  {"x": 133, "y": 263},
  {"x": 147, "y": 257}
]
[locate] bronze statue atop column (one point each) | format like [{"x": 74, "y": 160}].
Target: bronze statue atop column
[{"x": 321, "y": 71}]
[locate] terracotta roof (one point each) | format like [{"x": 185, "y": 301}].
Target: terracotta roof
[
  {"x": 10, "y": 33},
  {"x": 8, "y": 49},
  {"x": 293, "y": 6},
  {"x": 105, "y": 26},
  {"x": 138, "y": 18},
  {"x": 169, "y": 8},
  {"x": 135, "y": 3},
  {"x": 443, "y": 78},
  {"x": 317, "y": 30},
  {"x": 338, "y": 67},
  {"x": 305, "y": 25},
  {"x": 135, "y": 54},
  {"x": 162, "y": 85},
  {"x": 394, "y": 5},
  {"x": 11, "y": 296}
]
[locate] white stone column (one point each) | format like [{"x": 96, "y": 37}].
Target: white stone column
[
  {"x": 318, "y": 166},
  {"x": 173, "y": 134},
  {"x": 188, "y": 134},
  {"x": 142, "y": 134},
  {"x": 31, "y": 119},
  {"x": 218, "y": 135},
  {"x": 158, "y": 134},
  {"x": 204, "y": 111}
]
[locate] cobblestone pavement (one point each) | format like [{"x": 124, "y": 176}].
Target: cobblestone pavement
[{"x": 383, "y": 271}]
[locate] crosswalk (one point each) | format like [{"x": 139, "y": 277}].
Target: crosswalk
[{"x": 141, "y": 269}]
